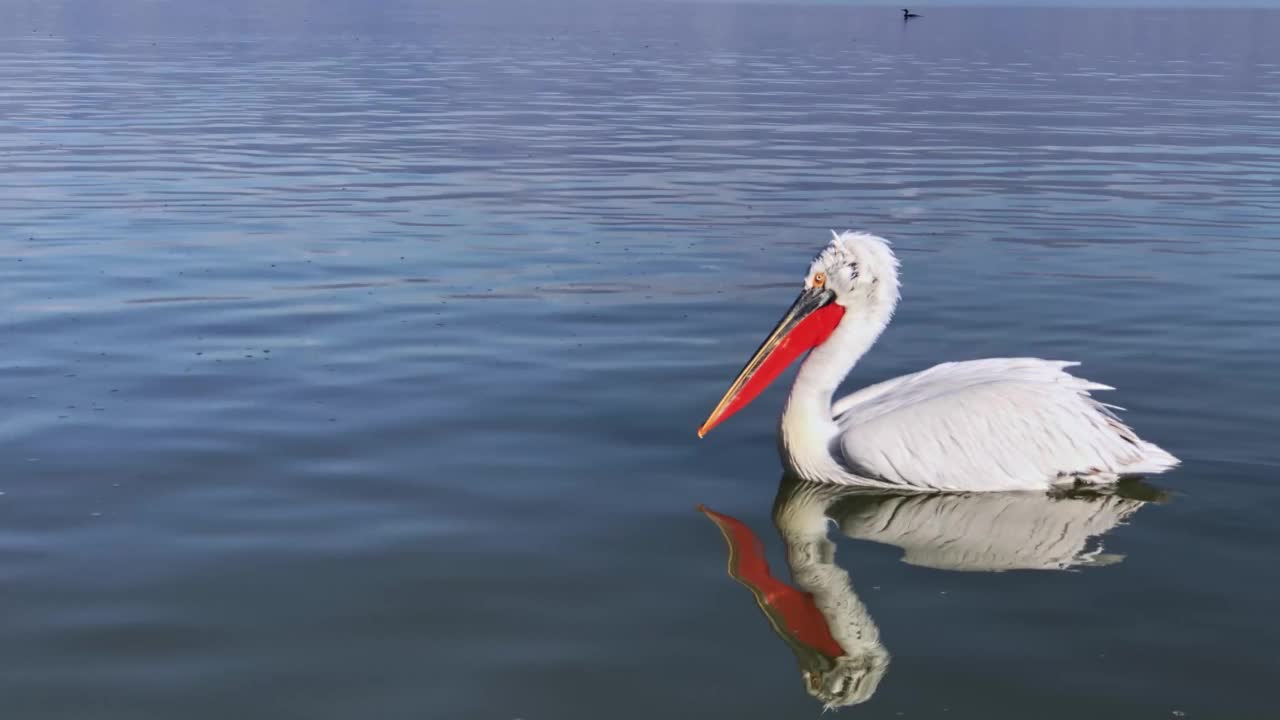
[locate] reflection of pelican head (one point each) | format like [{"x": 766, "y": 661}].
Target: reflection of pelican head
[
  {"x": 851, "y": 680},
  {"x": 834, "y": 639}
]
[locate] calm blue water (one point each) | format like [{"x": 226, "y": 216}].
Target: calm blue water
[{"x": 352, "y": 357}]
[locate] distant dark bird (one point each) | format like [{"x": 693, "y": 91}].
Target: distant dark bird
[{"x": 907, "y": 14}]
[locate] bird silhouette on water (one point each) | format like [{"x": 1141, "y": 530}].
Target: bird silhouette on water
[{"x": 907, "y": 14}]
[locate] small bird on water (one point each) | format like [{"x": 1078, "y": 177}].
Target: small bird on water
[{"x": 907, "y": 14}]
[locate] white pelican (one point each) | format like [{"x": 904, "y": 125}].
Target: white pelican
[{"x": 979, "y": 425}]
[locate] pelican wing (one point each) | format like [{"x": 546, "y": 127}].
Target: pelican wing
[{"x": 997, "y": 424}]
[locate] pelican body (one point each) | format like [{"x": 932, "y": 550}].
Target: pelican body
[{"x": 981, "y": 425}]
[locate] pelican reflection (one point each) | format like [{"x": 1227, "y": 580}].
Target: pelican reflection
[{"x": 820, "y": 616}]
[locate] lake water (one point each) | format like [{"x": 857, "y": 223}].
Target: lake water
[{"x": 352, "y": 357}]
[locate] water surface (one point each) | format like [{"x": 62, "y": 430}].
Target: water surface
[{"x": 352, "y": 358}]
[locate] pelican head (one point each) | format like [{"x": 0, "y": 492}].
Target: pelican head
[
  {"x": 860, "y": 269},
  {"x": 855, "y": 272}
]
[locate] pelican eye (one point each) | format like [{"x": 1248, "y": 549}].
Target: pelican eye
[{"x": 819, "y": 279}]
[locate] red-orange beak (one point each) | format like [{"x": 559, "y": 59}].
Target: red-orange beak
[{"x": 809, "y": 322}]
